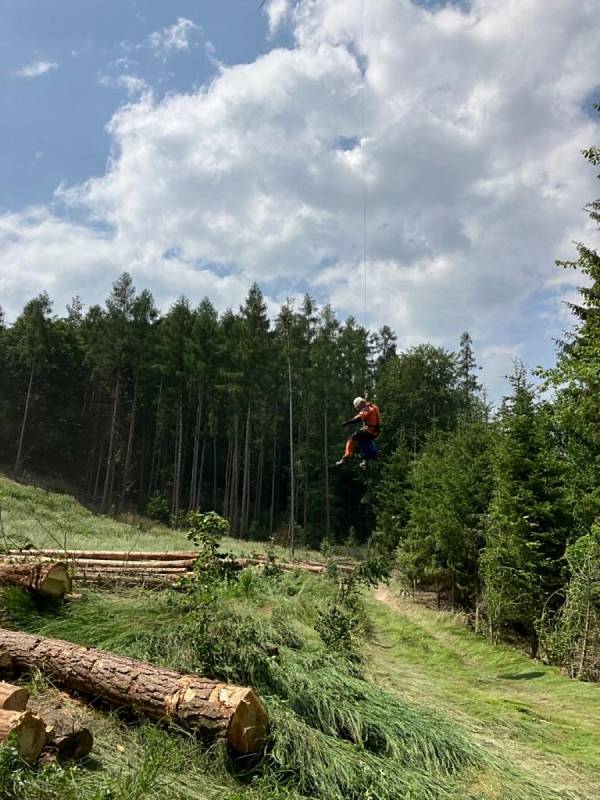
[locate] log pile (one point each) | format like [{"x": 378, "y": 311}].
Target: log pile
[
  {"x": 157, "y": 569},
  {"x": 206, "y": 706}
]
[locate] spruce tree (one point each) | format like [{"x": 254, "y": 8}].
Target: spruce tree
[
  {"x": 576, "y": 379},
  {"x": 528, "y": 525}
]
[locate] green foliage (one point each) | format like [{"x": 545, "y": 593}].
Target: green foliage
[
  {"x": 451, "y": 483},
  {"x": 571, "y": 635},
  {"x": 528, "y": 525},
  {"x": 206, "y": 529},
  {"x": 158, "y": 508}
]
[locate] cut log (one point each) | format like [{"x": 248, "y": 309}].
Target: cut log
[
  {"x": 51, "y": 580},
  {"x": 29, "y": 733},
  {"x": 68, "y": 737},
  {"x": 110, "y": 555},
  {"x": 207, "y": 706},
  {"x": 118, "y": 579},
  {"x": 100, "y": 563},
  {"x": 13, "y": 698}
]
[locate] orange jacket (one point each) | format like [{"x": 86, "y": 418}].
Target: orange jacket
[{"x": 370, "y": 418}]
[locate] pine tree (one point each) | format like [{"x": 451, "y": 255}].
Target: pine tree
[
  {"x": 576, "y": 379},
  {"x": 528, "y": 525}
]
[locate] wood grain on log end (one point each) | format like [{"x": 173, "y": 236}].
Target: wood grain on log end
[
  {"x": 54, "y": 580},
  {"x": 247, "y": 730},
  {"x": 13, "y": 698},
  {"x": 29, "y": 733}
]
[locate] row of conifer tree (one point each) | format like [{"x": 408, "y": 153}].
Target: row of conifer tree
[{"x": 498, "y": 512}]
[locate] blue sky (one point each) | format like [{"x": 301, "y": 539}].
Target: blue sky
[
  {"x": 53, "y": 127},
  {"x": 203, "y": 146}
]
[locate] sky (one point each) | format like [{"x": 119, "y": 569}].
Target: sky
[{"x": 202, "y": 146}]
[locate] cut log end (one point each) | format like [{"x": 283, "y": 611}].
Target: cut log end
[
  {"x": 28, "y": 730},
  {"x": 73, "y": 746},
  {"x": 13, "y": 698},
  {"x": 247, "y": 732},
  {"x": 55, "y": 581}
]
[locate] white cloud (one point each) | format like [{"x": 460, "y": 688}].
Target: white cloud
[
  {"x": 133, "y": 85},
  {"x": 277, "y": 13},
  {"x": 176, "y": 37},
  {"x": 35, "y": 69},
  {"x": 470, "y": 151}
]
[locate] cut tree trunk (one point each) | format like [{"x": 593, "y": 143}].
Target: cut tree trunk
[
  {"x": 207, "y": 706},
  {"x": 51, "y": 579},
  {"x": 27, "y": 730},
  {"x": 69, "y": 738},
  {"x": 13, "y": 698}
]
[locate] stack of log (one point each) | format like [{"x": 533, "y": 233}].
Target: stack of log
[
  {"x": 152, "y": 569},
  {"x": 38, "y": 728},
  {"x": 198, "y": 704}
]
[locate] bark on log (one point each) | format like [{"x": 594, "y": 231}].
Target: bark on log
[
  {"x": 29, "y": 733},
  {"x": 196, "y": 703},
  {"x": 51, "y": 579},
  {"x": 13, "y": 698}
]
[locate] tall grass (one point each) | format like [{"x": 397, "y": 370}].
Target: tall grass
[{"x": 333, "y": 734}]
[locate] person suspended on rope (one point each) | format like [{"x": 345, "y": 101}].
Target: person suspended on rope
[{"x": 370, "y": 418}]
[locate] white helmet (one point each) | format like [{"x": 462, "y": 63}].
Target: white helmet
[{"x": 358, "y": 402}]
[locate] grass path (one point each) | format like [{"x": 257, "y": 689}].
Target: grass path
[{"x": 545, "y": 724}]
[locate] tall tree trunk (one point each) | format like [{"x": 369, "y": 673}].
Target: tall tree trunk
[
  {"x": 259, "y": 477},
  {"x": 235, "y": 479},
  {"x": 305, "y": 493},
  {"x": 178, "y": 458},
  {"x": 193, "y": 502},
  {"x": 98, "y": 470},
  {"x": 156, "y": 443},
  {"x": 18, "y": 460},
  {"x": 273, "y": 474},
  {"x": 214, "y": 449},
  {"x": 201, "y": 474},
  {"x": 106, "y": 494},
  {"x": 130, "y": 440},
  {"x": 245, "y": 512},
  {"x": 326, "y": 454},
  {"x": 292, "y": 522},
  {"x": 227, "y": 490}
]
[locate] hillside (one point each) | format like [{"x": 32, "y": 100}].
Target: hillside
[{"x": 423, "y": 709}]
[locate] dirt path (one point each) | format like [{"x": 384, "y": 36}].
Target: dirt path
[{"x": 544, "y": 723}]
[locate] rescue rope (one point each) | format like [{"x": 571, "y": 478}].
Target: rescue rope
[{"x": 363, "y": 137}]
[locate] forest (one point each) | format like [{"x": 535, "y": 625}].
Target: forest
[{"x": 497, "y": 510}]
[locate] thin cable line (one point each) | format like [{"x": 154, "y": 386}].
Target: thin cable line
[{"x": 363, "y": 137}]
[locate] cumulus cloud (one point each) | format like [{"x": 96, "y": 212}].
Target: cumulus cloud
[
  {"x": 277, "y": 13},
  {"x": 465, "y": 122},
  {"x": 35, "y": 69},
  {"x": 176, "y": 37}
]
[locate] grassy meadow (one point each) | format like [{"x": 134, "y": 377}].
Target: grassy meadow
[
  {"x": 34, "y": 516},
  {"x": 419, "y": 709}
]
